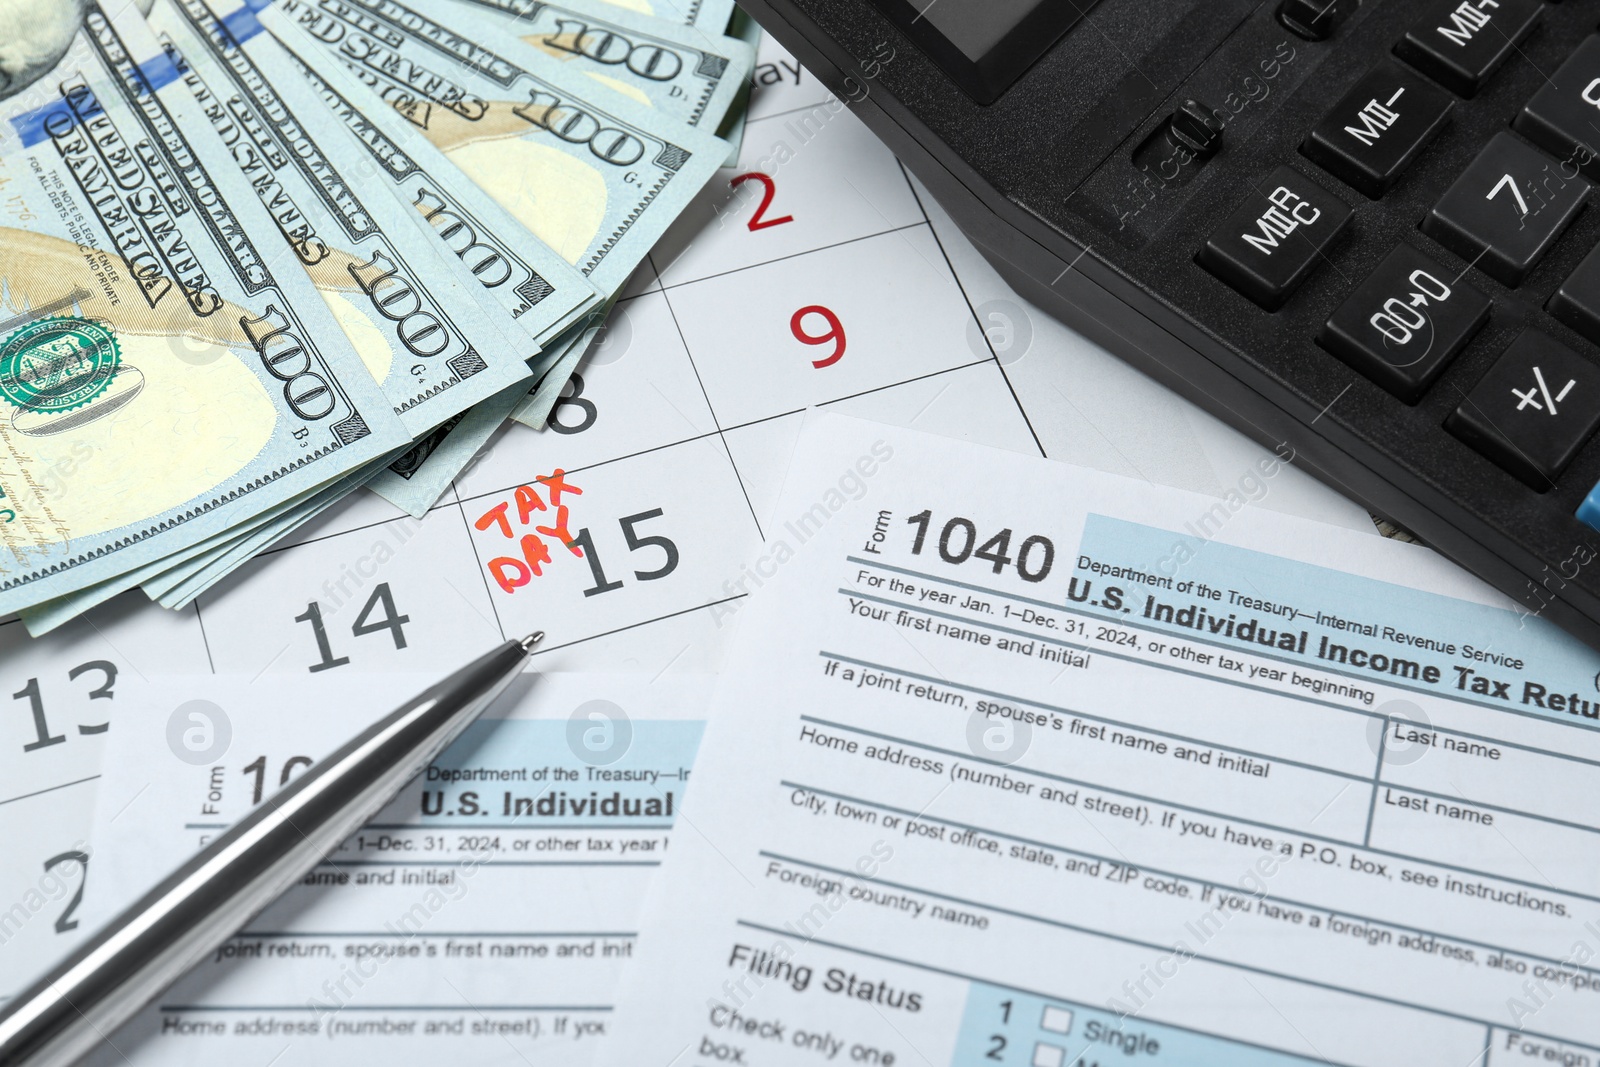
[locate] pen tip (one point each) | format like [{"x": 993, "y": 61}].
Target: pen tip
[{"x": 532, "y": 639}]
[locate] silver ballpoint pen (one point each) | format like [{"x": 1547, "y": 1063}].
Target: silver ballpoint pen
[{"x": 141, "y": 952}]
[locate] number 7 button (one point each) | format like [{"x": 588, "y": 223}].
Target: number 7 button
[{"x": 1507, "y": 209}]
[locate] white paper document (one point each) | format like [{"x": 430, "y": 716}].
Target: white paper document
[
  {"x": 1016, "y": 763},
  {"x": 483, "y": 917}
]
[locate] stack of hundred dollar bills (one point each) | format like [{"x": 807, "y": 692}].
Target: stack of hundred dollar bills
[{"x": 257, "y": 256}]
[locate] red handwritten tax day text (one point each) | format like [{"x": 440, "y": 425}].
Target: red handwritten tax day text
[{"x": 510, "y": 571}]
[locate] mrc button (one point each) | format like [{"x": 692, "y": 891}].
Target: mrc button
[{"x": 1268, "y": 246}]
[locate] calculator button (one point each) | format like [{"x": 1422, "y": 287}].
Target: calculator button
[
  {"x": 1577, "y": 302},
  {"x": 1533, "y": 410},
  {"x": 1276, "y": 238},
  {"x": 1315, "y": 20},
  {"x": 1405, "y": 322},
  {"x": 1563, "y": 118},
  {"x": 1508, "y": 207},
  {"x": 1375, "y": 131},
  {"x": 1461, "y": 42}
]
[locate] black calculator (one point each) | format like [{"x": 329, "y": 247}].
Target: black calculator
[{"x": 1367, "y": 229}]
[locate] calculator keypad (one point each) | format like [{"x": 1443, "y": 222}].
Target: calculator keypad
[
  {"x": 1405, "y": 322},
  {"x": 1402, "y": 325},
  {"x": 1534, "y": 409},
  {"x": 1506, "y": 209},
  {"x": 1277, "y": 237},
  {"x": 1375, "y": 131},
  {"x": 1461, "y": 43}
]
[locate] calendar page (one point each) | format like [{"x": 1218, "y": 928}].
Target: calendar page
[
  {"x": 814, "y": 272},
  {"x": 67, "y": 698}
]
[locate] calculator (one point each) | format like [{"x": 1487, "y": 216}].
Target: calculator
[{"x": 1367, "y": 230}]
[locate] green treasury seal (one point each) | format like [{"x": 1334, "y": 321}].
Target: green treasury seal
[{"x": 57, "y": 364}]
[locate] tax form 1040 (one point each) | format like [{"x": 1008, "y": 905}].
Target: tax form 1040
[{"x": 1011, "y": 765}]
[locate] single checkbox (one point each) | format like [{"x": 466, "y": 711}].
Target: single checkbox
[{"x": 1056, "y": 1020}]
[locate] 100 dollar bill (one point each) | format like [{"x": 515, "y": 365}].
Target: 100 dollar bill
[
  {"x": 694, "y": 77},
  {"x": 178, "y": 587},
  {"x": 147, "y": 322},
  {"x": 535, "y": 408},
  {"x": 708, "y": 16},
  {"x": 414, "y": 482},
  {"x": 432, "y": 347},
  {"x": 543, "y": 292},
  {"x": 415, "y": 312},
  {"x": 596, "y": 177}
]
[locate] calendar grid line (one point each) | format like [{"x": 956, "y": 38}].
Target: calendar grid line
[
  {"x": 501, "y": 490},
  {"x": 67, "y": 785},
  {"x": 461, "y": 501},
  {"x": 664, "y": 288},
  {"x": 277, "y": 549},
  {"x": 832, "y": 99},
  {"x": 545, "y": 650},
  {"x": 466, "y": 526},
  {"x": 655, "y": 278},
  {"x": 730, "y": 428},
  {"x": 205, "y": 639},
  {"x": 1010, "y": 388},
  {"x": 715, "y": 419},
  {"x": 884, "y": 388}
]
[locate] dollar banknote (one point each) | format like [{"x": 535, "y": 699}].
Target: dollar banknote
[
  {"x": 542, "y": 291},
  {"x": 693, "y": 76},
  {"x": 147, "y": 319},
  {"x": 179, "y": 586},
  {"x": 746, "y": 29},
  {"x": 434, "y": 348},
  {"x": 708, "y": 16},
  {"x": 167, "y": 571},
  {"x": 535, "y": 408},
  {"x": 429, "y": 461},
  {"x": 412, "y": 481},
  {"x": 43, "y": 617},
  {"x": 415, "y": 481},
  {"x": 420, "y": 475},
  {"x": 410, "y": 291},
  {"x": 595, "y": 176}
]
